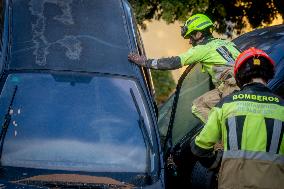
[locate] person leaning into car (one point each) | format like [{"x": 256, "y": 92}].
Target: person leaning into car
[
  {"x": 250, "y": 123},
  {"x": 217, "y": 57}
]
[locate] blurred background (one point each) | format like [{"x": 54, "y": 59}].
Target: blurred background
[{"x": 160, "y": 20}]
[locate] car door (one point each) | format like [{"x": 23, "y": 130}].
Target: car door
[{"x": 177, "y": 124}]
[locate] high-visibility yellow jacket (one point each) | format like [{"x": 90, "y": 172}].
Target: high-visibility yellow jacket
[
  {"x": 215, "y": 55},
  {"x": 250, "y": 124}
]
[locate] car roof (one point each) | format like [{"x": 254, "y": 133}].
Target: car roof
[
  {"x": 271, "y": 40},
  {"x": 85, "y": 36},
  {"x": 264, "y": 38}
]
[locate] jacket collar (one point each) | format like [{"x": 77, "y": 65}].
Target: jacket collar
[
  {"x": 256, "y": 86},
  {"x": 206, "y": 39}
]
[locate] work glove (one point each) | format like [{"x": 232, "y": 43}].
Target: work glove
[
  {"x": 219, "y": 146},
  {"x": 137, "y": 59},
  {"x": 218, "y": 159}
]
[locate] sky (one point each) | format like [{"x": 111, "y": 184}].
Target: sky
[{"x": 164, "y": 40}]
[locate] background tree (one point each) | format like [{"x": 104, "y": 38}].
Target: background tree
[
  {"x": 228, "y": 14},
  {"x": 164, "y": 85}
]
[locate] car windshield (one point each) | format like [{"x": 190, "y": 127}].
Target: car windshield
[{"x": 81, "y": 123}]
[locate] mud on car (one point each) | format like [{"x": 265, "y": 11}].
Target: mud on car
[
  {"x": 178, "y": 127},
  {"x": 74, "y": 113}
]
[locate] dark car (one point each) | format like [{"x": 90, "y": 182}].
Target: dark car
[
  {"x": 178, "y": 127},
  {"x": 271, "y": 40},
  {"x": 74, "y": 112}
]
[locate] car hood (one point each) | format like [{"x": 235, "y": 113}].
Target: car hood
[
  {"x": 6, "y": 184},
  {"x": 71, "y": 180},
  {"x": 12, "y": 177}
]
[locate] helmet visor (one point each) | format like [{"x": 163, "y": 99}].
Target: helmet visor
[{"x": 184, "y": 29}]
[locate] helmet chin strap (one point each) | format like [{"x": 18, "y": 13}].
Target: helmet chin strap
[
  {"x": 195, "y": 42},
  {"x": 192, "y": 42}
]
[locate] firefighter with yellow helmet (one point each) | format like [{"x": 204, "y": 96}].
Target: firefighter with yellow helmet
[{"x": 217, "y": 57}]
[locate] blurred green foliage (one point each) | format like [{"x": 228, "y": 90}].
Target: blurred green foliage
[
  {"x": 228, "y": 15},
  {"x": 164, "y": 85}
]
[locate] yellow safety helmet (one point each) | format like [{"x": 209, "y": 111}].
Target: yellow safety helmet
[{"x": 196, "y": 22}]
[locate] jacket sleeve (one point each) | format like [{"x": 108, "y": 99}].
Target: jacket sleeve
[
  {"x": 203, "y": 144},
  {"x": 194, "y": 55},
  {"x": 164, "y": 63}
]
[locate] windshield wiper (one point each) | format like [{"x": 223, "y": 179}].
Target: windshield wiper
[
  {"x": 141, "y": 122},
  {"x": 146, "y": 138},
  {"x": 7, "y": 120}
]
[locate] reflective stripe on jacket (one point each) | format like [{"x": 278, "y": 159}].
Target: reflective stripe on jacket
[{"x": 251, "y": 124}]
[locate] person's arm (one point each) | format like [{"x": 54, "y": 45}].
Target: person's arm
[
  {"x": 203, "y": 145},
  {"x": 194, "y": 55},
  {"x": 160, "y": 64}
]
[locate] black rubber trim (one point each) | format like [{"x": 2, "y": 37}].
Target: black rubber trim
[
  {"x": 240, "y": 125},
  {"x": 228, "y": 129},
  {"x": 269, "y": 123},
  {"x": 281, "y": 138}
]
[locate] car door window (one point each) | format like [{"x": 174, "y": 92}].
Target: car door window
[{"x": 194, "y": 85}]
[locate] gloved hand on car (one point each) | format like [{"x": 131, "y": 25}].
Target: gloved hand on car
[
  {"x": 209, "y": 159},
  {"x": 212, "y": 162},
  {"x": 218, "y": 158},
  {"x": 137, "y": 59}
]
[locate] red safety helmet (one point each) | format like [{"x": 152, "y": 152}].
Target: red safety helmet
[{"x": 253, "y": 62}]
